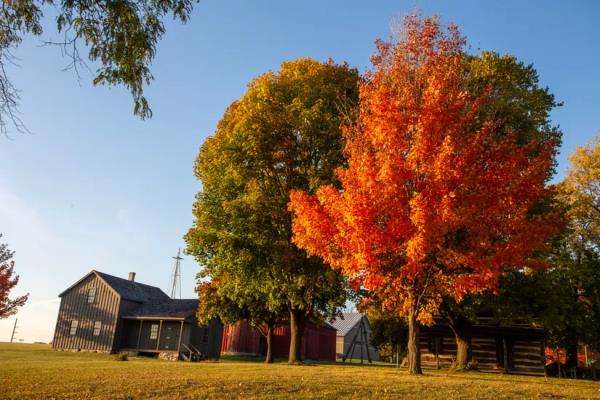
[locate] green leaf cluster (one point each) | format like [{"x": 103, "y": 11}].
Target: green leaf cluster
[{"x": 119, "y": 35}]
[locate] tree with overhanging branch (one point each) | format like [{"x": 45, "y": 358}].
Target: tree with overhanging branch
[
  {"x": 117, "y": 38},
  {"x": 437, "y": 198}
]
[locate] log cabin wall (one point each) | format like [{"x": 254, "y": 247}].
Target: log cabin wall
[
  {"x": 524, "y": 351},
  {"x": 74, "y": 306}
]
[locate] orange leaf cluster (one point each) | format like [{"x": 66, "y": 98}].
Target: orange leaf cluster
[{"x": 435, "y": 199}]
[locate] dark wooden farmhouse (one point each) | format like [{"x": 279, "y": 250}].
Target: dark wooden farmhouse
[
  {"x": 104, "y": 313},
  {"x": 511, "y": 349},
  {"x": 318, "y": 341}
]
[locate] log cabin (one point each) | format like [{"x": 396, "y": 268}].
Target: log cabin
[
  {"x": 105, "y": 313},
  {"x": 515, "y": 349}
]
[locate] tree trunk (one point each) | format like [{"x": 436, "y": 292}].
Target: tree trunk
[
  {"x": 461, "y": 326},
  {"x": 269, "y": 357},
  {"x": 571, "y": 355},
  {"x": 296, "y": 331},
  {"x": 414, "y": 352}
]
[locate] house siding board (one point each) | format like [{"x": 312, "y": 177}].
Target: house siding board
[{"x": 74, "y": 306}]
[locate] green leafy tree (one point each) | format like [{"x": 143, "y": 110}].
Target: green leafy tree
[
  {"x": 522, "y": 107},
  {"x": 389, "y": 330},
  {"x": 119, "y": 36},
  {"x": 578, "y": 260},
  {"x": 283, "y": 134}
]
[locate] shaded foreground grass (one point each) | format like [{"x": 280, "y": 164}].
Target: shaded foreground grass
[{"x": 36, "y": 372}]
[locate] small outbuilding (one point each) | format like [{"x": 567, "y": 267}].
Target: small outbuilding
[
  {"x": 105, "y": 313},
  {"x": 353, "y": 340}
]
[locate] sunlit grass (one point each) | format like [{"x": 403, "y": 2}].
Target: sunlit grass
[{"x": 36, "y": 372}]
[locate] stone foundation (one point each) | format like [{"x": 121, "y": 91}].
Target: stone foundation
[{"x": 168, "y": 355}]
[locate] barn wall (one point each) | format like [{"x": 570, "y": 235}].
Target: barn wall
[
  {"x": 74, "y": 306},
  {"x": 240, "y": 338},
  {"x": 319, "y": 343}
]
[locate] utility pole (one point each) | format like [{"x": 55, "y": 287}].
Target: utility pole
[
  {"x": 12, "y": 337},
  {"x": 175, "y": 284}
]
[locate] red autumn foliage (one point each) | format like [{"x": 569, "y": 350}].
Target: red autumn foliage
[
  {"x": 436, "y": 200},
  {"x": 8, "y": 280}
]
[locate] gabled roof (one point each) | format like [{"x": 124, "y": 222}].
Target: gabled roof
[
  {"x": 346, "y": 322},
  {"x": 127, "y": 289},
  {"x": 172, "y": 309},
  {"x": 133, "y": 291}
]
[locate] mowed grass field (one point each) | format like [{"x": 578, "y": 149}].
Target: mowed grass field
[{"x": 29, "y": 371}]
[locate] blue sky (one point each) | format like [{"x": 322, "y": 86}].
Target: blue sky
[{"x": 95, "y": 187}]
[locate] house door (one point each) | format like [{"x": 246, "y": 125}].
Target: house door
[{"x": 170, "y": 337}]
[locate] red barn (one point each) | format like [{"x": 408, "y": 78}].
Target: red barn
[{"x": 318, "y": 342}]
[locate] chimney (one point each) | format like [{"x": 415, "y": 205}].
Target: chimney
[{"x": 131, "y": 276}]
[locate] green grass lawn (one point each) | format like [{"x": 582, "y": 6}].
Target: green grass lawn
[{"x": 29, "y": 371}]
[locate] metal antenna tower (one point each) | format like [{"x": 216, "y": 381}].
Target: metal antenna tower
[{"x": 175, "y": 283}]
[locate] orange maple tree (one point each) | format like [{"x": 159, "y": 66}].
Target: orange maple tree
[{"x": 436, "y": 199}]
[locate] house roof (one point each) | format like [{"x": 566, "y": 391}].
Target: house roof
[
  {"x": 172, "y": 309},
  {"x": 346, "y": 322},
  {"x": 134, "y": 291},
  {"x": 128, "y": 290}
]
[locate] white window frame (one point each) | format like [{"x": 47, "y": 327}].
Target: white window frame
[
  {"x": 153, "y": 331},
  {"x": 91, "y": 295},
  {"x": 74, "y": 326},
  {"x": 97, "y": 328}
]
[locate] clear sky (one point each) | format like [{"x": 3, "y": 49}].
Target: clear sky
[{"x": 95, "y": 187}]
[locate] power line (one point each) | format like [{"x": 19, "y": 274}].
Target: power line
[{"x": 12, "y": 337}]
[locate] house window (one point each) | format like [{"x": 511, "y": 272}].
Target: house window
[
  {"x": 91, "y": 295},
  {"x": 154, "y": 331},
  {"x": 74, "y": 325},
  {"x": 205, "y": 336},
  {"x": 97, "y": 327}
]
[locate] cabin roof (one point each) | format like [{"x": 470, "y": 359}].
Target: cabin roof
[
  {"x": 346, "y": 322},
  {"x": 172, "y": 308}
]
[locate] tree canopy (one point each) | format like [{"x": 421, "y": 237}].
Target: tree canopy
[
  {"x": 437, "y": 199},
  {"x": 578, "y": 260},
  {"x": 283, "y": 134}
]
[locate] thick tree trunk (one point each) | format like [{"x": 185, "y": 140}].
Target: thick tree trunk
[
  {"x": 461, "y": 326},
  {"x": 269, "y": 357},
  {"x": 296, "y": 331},
  {"x": 571, "y": 362},
  {"x": 414, "y": 352}
]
